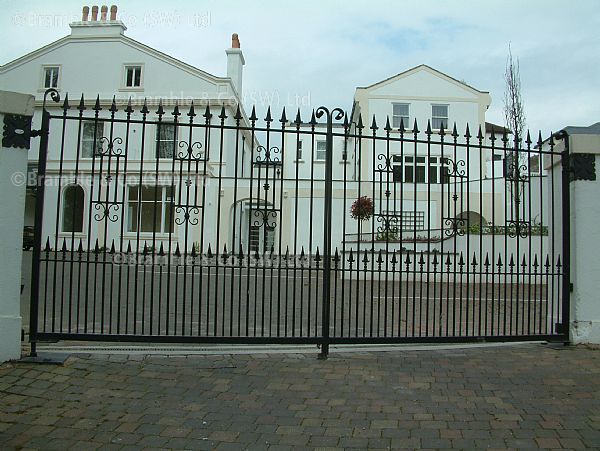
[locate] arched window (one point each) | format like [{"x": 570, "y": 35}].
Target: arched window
[{"x": 72, "y": 220}]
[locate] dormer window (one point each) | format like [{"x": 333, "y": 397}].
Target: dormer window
[
  {"x": 133, "y": 76},
  {"x": 51, "y": 76}
]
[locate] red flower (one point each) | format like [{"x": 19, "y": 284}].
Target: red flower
[{"x": 362, "y": 208}]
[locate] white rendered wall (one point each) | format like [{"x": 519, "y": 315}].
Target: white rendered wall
[
  {"x": 585, "y": 239},
  {"x": 12, "y": 201}
]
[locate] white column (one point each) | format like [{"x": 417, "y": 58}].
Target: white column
[
  {"x": 584, "y": 190},
  {"x": 13, "y": 174}
]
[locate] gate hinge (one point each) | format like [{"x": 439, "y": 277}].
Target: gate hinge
[{"x": 571, "y": 287}]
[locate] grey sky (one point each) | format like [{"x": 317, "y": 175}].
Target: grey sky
[{"x": 313, "y": 53}]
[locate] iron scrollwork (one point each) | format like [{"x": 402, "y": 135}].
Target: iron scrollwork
[
  {"x": 108, "y": 148},
  {"x": 455, "y": 169},
  {"x": 456, "y": 226},
  {"x": 190, "y": 152},
  {"x": 518, "y": 228},
  {"x": 265, "y": 217},
  {"x": 104, "y": 210},
  {"x": 270, "y": 156},
  {"x": 188, "y": 211}
]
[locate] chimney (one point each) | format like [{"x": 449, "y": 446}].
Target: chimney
[
  {"x": 94, "y": 27},
  {"x": 235, "y": 64}
]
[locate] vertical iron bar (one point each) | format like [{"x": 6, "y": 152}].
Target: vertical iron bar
[
  {"x": 566, "y": 238},
  {"x": 39, "y": 214}
]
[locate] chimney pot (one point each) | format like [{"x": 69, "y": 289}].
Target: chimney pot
[
  {"x": 85, "y": 13},
  {"x": 103, "y": 11},
  {"x": 235, "y": 41},
  {"x": 94, "y": 13},
  {"x": 113, "y": 12}
]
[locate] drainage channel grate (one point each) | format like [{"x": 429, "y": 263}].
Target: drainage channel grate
[{"x": 251, "y": 349}]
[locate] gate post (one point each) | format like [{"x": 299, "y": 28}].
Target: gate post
[
  {"x": 16, "y": 111},
  {"x": 581, "y": 234},
  {"x": 339, "y": 114}
]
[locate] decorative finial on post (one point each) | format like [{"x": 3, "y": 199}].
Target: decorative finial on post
[
  {"x": 113, "y": 12},
  {"x": 103, "y": 11},
  {"x": 94, "y": 13},
  {"x": 85, "y": 13}
]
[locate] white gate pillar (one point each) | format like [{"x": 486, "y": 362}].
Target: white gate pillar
[
  {"x": 16, "y": 111},
  {"x": 584, "y": 150}
]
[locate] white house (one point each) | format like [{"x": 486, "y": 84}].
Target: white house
[
  {"x": 98, "y": 62},
  {"x": 123, "y": 168}
]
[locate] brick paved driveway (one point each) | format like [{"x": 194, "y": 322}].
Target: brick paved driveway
[{"x": 522, "y": 397}]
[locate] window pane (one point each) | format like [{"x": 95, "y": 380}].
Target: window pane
[
  {"x": 420, "y": 174},
  {"x": 150, "y": 222},
  {"x": 165, "y": 140},
  {"x": 132, "y": 213},
  {"x": 51, "y": 77},
  {"x": 321, "y": 145},
  {"x": 73, "y": 209},
  {"x": 133, "y": 192},
  {"x": 151, "y": 194},
  {"x": 400, "y": 109},
  {"x": 433, "y": 174},
  {"x": 421, "y": 160},
  {"x": 408, "y": 174},
  {"x": 439, "y": 110},
  {"x": 90, "y": 130},
  {"x": 133, "y": 76},
  {"x": 437, "y": 123},
  {"x": 397, "y": 173}
]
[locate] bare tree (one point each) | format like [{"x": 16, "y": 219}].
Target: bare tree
[{"x": 514, "y": 115}]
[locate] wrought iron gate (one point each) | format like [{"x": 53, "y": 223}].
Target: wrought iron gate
[{"x": 189, "y": 223}]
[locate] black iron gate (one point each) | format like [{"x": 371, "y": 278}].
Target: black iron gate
[{"x": 197, "y": 223}]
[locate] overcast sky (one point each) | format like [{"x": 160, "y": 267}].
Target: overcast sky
[{"x": 311, "y": 53}]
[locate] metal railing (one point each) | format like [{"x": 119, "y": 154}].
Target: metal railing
[{"x": 176, "y": 226}]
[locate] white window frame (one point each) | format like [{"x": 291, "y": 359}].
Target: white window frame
[
  {"x": 45, "y": 69},
  {"x": 299, "y": 151},
  {"x": 397, "y": 117},
  {"x": 172, "y": 140},
  {"x": 438, "y": 117},
  {"x": 320, "y": 154},
  {"x": 404, "y": 163},
  {"x": 126, "y": 68},
  {"x": 64, "y": 212},
  {"x": 90, "y": 139},
  {"x": 410, "y": 220},
  {"x": 164, "y": 202}
]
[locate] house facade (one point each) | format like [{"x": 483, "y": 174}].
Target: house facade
[{"x": 159, "y": 153}]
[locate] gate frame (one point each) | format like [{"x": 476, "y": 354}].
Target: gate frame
[{"x": 561, "y": 329}]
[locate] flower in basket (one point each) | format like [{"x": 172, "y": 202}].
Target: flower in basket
[{"x": 362, "y": 208}]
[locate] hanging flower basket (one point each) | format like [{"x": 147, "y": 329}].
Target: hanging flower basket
[{"x": 362, "y": 208}]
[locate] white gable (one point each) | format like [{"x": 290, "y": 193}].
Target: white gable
[
  {"x": 95, "y": 66},
  {"x": 422, "y": 82}
]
